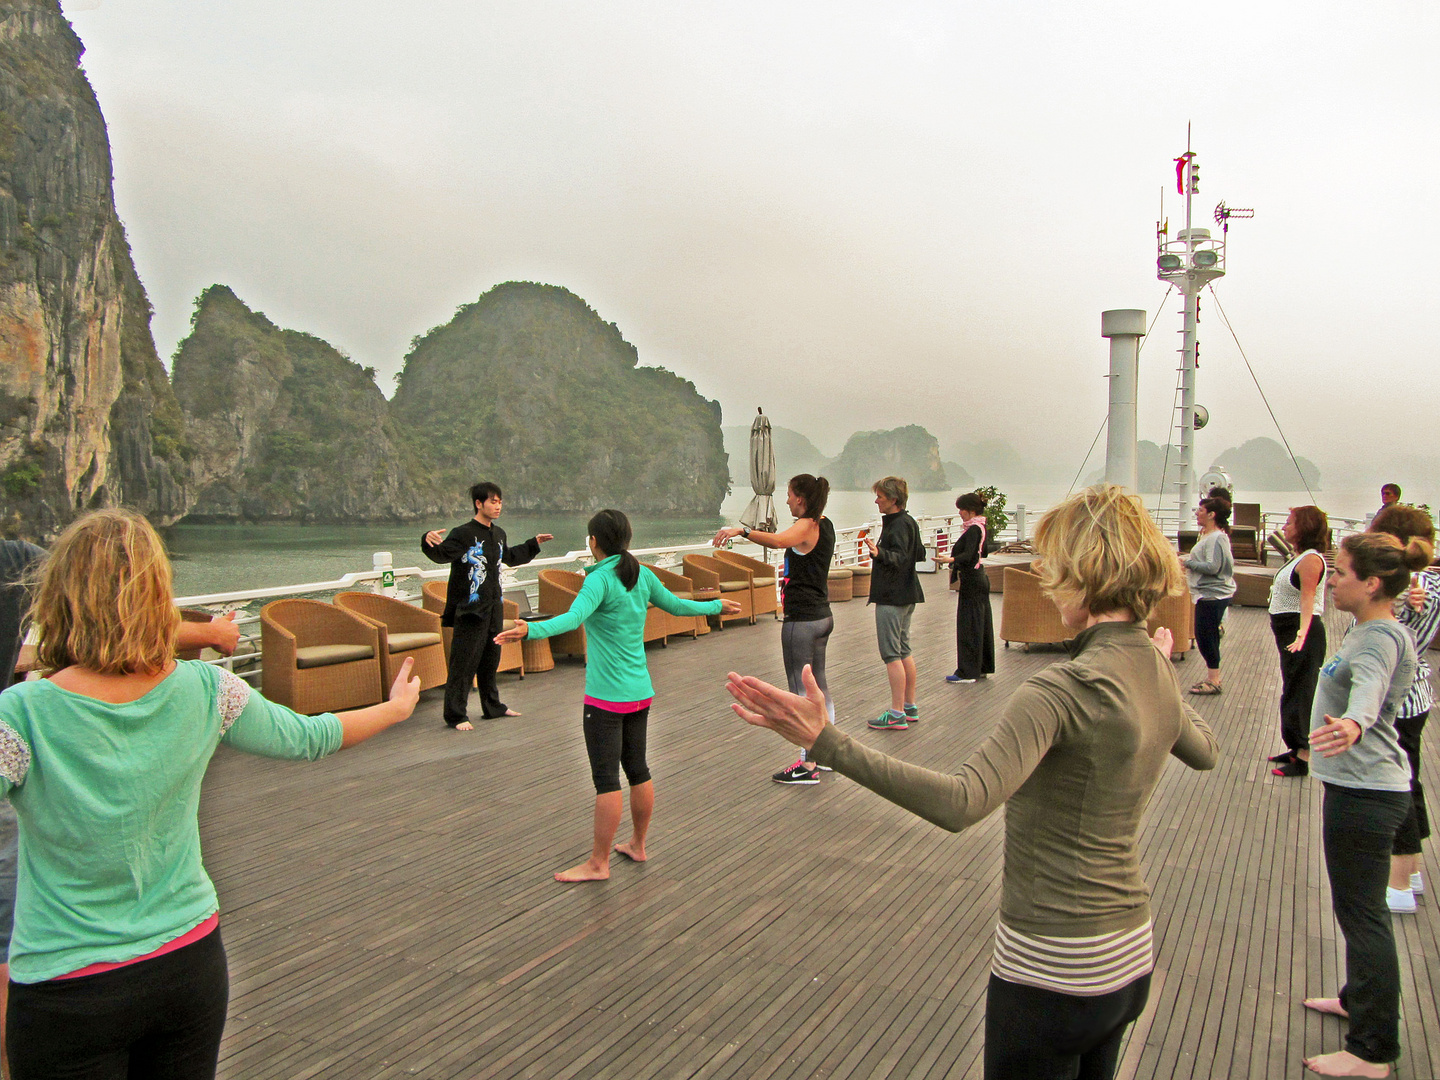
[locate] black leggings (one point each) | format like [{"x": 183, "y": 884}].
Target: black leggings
[
  {"x": 1299, "y": 672},
  {"x": 616, "y": 740},
  {"x": 161, "y": 1019},
  {"x": 1034, "y": 1034},
  {"x": 1208, "y": 614},
  {"x": 803, "y": 642},
  {"x": 1416, "y": 826}
]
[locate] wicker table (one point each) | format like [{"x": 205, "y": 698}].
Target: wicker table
[{"x": 537, "y": 654}]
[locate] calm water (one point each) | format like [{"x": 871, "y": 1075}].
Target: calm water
[{"x": 224, "y": 558}]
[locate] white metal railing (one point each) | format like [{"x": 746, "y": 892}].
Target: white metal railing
[{"x": 403, "y": 583}]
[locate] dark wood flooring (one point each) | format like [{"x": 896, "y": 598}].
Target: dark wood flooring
[{"x": 390, "y": 911}]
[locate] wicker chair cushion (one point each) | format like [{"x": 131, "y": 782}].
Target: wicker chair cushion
[
  {"x": 407, "y": 642},
  {"x": 840, "y": 574},
  {"x": 325, "y": 655},
  {"x": 507, "y": 624},
  {"x": 860, "y": 571},
  {"x": 734, "y": 586},
  {"x": 759, "y": 581}
]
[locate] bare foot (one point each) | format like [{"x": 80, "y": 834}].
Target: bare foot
[
  {"x": 1344, "y": 1063},
  {"x": 512, "y": 712},
  {"x": 589, "y": 870},
  {"x": 464, "y": 725},
  {"x": 632, "y": 850},
  {"x": 1328, "y": 1006}
]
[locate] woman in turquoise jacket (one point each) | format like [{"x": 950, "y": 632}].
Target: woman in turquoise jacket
[{"x": 618, "y": 692}]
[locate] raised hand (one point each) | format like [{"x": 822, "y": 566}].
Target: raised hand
[
  {"x": 724, "y": 534},
  {"x": 227, "y": 634},
  {"x": 1163, "y": 640},
  {"x": 406, "y": 690},
  {"x": 544, "y": 538},
  {"x": 796, "y": 719},
  {"x": 515, "y": 633},
  {"x": 730, "y": 607},
  {"x": 433, "y": 537}
]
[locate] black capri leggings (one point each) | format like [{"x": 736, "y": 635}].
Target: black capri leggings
[
  {"x": 1208, "y": 614},
  {"x": 161, "y": 1018},
  {"x": 616, "y": 740}
]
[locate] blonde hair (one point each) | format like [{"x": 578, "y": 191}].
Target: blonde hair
[
  {"x": 104, "y": 599},
  {"x": 1101, "y": 551},
  {"x": 893, "y": 488}
]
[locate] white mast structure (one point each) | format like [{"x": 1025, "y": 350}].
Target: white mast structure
[{"x": 1189, "y": 262}]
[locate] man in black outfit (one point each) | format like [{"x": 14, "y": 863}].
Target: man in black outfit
[{"x": 473, "y": 606}]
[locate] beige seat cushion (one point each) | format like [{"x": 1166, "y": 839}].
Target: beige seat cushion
[
  {"x": 734, "y": 586},
  {"x": 759, "y": 581},
  {"x": 410, "y": 642},
  {"x": 325, "y": 655},
  {"x": 860, "y": 571},
  {"x": 507, "y": 624},
  {"x": 840, "y": 574}
]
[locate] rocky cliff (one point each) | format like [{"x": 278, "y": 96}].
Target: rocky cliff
[
  {"x": 910, "y": 452},
  {"x": 283, "y": 426},
  {"x": 86, "y": 414},
  {"x": 531, "y": 388}
]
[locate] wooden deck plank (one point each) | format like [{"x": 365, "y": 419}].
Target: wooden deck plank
[{"x": 390, "y": 911}]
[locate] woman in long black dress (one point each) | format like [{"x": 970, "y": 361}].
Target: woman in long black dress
[{"x": 974, "y": 627}]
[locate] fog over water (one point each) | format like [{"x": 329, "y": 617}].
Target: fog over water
[{"x": 855, "y": 215}]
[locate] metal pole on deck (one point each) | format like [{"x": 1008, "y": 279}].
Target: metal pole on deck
[{"x": 1124, "y": 327}]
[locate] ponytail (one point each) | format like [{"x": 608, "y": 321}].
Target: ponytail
[
  {"x": 610, "y": 529},
  {"x": 814, "y": 491}
]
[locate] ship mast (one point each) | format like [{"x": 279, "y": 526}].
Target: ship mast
[{"x": 1189, "y": 262}]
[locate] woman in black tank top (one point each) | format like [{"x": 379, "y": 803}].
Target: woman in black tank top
[{"x": 809, "y": 545}]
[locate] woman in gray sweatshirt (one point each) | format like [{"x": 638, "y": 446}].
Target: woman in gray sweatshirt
[
  {"x": 1211, "y": 569},
  {"x": 1074, "y": 760},
  {"x": 1367, "y": 791}
]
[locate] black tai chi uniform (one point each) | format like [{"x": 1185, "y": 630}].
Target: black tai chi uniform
[
  {"x": 473, "y": 607},
  {"x": 974, "y": 624}
]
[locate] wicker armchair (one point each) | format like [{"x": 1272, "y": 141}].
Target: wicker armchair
[
  {"x": 683, "y": 587},
  {"x": 1027, "y": 615},
  {"x": 732, "y": 582},
  {"x": 405, "y": 630},
  {"x": 558, "y": 589},
  {"x": 762, "y": 580},
  {"x": 1247, "y": 526},
  {"x": 512, "y": 657},
  {"x": 319, "y": 658},
  {"x": 1177, "y": 614}
]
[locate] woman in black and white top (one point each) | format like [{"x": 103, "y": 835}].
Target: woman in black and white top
[
  {"x": 1210, "y": 568},
  {"x": 1297, "y": 602},
  {"x": 974, "y": 626}
]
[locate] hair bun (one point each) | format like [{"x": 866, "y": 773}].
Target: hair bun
[{"x": 1418, "y": 553}]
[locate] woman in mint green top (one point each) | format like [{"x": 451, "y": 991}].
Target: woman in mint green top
[
  {"x": 612, "y": 605},
  {"x": 115, "y": 917}
]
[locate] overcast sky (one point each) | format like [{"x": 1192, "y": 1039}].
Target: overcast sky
[{"x": 856, "y": 215}]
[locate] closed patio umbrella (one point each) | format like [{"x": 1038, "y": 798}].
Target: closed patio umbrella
[{"x": 760, "y": 514}]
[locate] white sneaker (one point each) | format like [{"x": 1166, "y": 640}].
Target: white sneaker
[
  {"x": 1417, "y": 883},
  {"x": 1400, "y": 901}
]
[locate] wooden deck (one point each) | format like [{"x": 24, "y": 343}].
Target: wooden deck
[{"x": 390, "y": 911}]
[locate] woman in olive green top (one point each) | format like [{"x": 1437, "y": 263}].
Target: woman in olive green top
[{"x": 1075, "y": 758}]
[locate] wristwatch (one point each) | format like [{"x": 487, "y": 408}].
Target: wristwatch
[{"x": 745, "y": 531}]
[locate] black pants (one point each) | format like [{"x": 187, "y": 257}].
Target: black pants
[
  {"x": 1208, "y": 614},
  {"x": 974, "y": 626},
  {"x": 160, "y": 1019},
  {"x": 1033, "y": 1034},
  {"x": 614, "y": 740},
  {"x": 474, "y": 656},
  {"x": 1359, "y": 830},
  {"x": 1416, "y": 826},
  {"x": 1299, "y": 672}
]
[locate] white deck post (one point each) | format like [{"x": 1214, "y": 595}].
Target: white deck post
[
  {"x": 385, "y": 567},
  {"x": 1124, "y": 327}
]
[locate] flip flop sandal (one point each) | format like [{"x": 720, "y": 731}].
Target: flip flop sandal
[{"x": 1205, "y": 689}]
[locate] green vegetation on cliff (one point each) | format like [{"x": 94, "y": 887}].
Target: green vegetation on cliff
[
  {"x": 530, "y": 387},
  {"x": 282, "y": 424},
  {"x": 911, "y": 452}
]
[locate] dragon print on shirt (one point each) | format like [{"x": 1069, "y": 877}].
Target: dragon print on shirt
[{"x": 475, "y": 560}]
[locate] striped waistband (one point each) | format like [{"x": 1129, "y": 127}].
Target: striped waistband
[{"x": 1081, "y": 966}]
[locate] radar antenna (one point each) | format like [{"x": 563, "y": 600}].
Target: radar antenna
[{"x": 1224, "y": 213}]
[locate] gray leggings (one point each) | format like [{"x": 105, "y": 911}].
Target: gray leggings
[{"x": 804, "y": 643}]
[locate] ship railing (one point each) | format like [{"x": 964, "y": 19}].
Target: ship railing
[{"x": 405, "y": 583}]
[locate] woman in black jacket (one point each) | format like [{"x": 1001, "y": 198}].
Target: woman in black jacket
[{"x": 974, "y": 626}]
